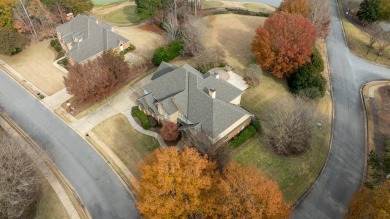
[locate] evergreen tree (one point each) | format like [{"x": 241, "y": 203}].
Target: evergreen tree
[{"x": 369, "y": 11}]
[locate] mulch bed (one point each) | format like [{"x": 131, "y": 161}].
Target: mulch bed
[{"x": 152, "y": 27}]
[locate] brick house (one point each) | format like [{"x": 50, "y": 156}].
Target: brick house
[
  {"x": 84, "y": 38},
  {"x": 198, "y": 102}
]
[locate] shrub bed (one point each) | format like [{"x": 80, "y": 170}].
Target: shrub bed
[
  {"x": 166, "y": 54},
  {"x": 128, "y": 49},
  {"x": 256, "y": 124},
  {"x": 246, "y": 134},
  {"x": 135, "y": 112}
]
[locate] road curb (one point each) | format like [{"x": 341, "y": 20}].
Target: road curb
[
  {"x": 308, "y": 190},
  {"x": 366, "y": 125},
  {"x": 345, "y": 37},
  {"x": 73, "y": 196}
]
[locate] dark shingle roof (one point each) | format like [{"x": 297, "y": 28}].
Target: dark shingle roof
[
  {"x": 185, "y": 89},
  {"x": 88, "y": 37}
]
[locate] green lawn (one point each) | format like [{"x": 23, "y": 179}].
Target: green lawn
[
  {"x": 211, "y": 4},
  {"x": 106, "y": 2},
  {"x": 127, "y": 143},
  {"x": 294, "y": 174},
  {"x": 123, "y": 15}
]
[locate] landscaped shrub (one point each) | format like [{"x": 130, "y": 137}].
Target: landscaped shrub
[
  {"x": 135, "y": 112},
  {"x": 128, "y": 49},
  {"x": 246, "y": 134},
  {"x": 153, "y": 122},
  {"x": 307, "y": 80},
  {"x": 168, "y": 53},
  {"x": 53, "y": 43},
  {"x": 58, "y": 48},
  {"x": 170, "y": 132},
  {"x": 256, "y": 124}
]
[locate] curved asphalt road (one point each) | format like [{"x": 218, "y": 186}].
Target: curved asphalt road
[
  {"x": 343, "y": 174},
  {"x": 97, "y": 185}
]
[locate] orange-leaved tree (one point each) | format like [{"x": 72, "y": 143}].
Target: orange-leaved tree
[
  {"x": 250, "y": 194},
  {"x": 373, "y": 203},
  {"x": 295, "y": 7},
  {"x": 176, "y": 184},
  {"x": 284, "y": 43}
]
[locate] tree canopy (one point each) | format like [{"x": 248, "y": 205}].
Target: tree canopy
[
  {"x": 284, "y": 43},
  {"x": 369, "y": 203},
  {"x": 368, "y": 11},
  {"x": 148, "y": 8},
  {"x": 183, "y": 184},
  {"x": 19, "y": 179},
  {"x": 307, "y": 79},
  {"x": 6, "y": 17},
  {"x": 78, "y": 6},
  {"x": 11, "y": 42},
  {"x": 94, "y": 80},
  {"x": 384, "y": 10},
  {"x": 250, "y": 194},
  {"x": 175, "y": 184},
  {"x": 295, "y": 7}
]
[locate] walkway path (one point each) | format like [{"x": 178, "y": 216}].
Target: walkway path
[
  {"x": 343, "y": 174},
  {"x": 142, "y": 130}
]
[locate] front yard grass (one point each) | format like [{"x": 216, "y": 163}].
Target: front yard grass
[
  {"x": 293, "y": 174},
  {"x": 49, "y": 205},
  {"x": 126, "y": 142},
  {"x": 35, "y": 63},
  {"x": 123, "y": 15},
  {"x": 234, "y": 34}
]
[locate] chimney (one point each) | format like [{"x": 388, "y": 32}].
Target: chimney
[
  {"x": 216, "y": 75},
  {"x": 212, "y": 93}
]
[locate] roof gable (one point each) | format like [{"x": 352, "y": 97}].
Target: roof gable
[
  {"x": 88, "y": 37},
  {"x": 186, "y": 89}
]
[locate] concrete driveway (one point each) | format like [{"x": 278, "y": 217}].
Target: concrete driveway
[{"x": 343, "y": 174}]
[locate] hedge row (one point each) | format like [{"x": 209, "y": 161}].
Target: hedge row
[
  {"x": 241, "y": 12},
  {"x": 135, "y": 112},
  {"x": 166, "y": 54},
  {"x": 246, "y": 134},
  {"x": 55, "y": 45}
]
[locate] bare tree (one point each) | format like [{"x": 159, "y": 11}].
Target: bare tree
[
  {"x": 374, "y": 31},
  {"x": 27, "y": 16},
  {"x": 289, "y": 125},
  {"x": 171, "y": 25},
  {"x": 253, "y": 74},
  {"x": 19, "y": 179},
  {"x": 209, "y": 58},
  {"x": 319, "y": 15},
  {"x": 383, "y": 43},
  {"x": 193, "y": 33}
]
